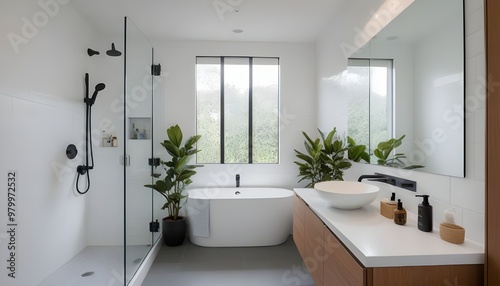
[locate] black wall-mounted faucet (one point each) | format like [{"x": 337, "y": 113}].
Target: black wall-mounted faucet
[
  {"x": 376, "y": 177},
  {"x": 391, "y": 180},
  {"x": 237, "y": 180}
]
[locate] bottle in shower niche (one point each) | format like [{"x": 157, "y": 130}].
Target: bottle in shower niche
[
  {"x": 138, "y": 134},
  {"x": 424, "y": 214},
  {"x": 400, "y": 214},
  {"x": 133, "y": 134}
]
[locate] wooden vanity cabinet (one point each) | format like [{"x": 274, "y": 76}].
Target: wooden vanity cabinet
[
  {"x": 326, "y": 259},
  {"x": 445, "y": 275},
  {"x": 308, "y": 238},
  {"x": 299, "y": 208},
  {"x": 330, "y": 263},
  {"x": 340, "y": 268},
  {"x": 313, "y": 246}
]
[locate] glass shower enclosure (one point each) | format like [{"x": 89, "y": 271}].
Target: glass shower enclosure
[
  {"x": 139, "y": 148},
  {"x": 125, "y": 207}
]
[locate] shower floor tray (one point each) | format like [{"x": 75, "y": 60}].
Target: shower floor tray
[{"x": 98, "y": 265}]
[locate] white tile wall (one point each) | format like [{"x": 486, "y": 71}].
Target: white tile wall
[
  {"x": 48, "y": 209},
  {"x": 41, "y": 112}
]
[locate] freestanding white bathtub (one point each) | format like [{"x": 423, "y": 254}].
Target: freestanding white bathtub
[{"x": 239, "y": 217}]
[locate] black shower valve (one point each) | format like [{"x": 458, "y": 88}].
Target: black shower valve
[{"x": 82, "y": 169}]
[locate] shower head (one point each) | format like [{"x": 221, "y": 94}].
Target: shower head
[
  {"x": 98, "y": 87},
  {"x": 113, "y": 52},
  {"x": 91, "y": 52}
]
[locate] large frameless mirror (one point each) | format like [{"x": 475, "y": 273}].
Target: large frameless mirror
[{"x": 409, "y": 80}]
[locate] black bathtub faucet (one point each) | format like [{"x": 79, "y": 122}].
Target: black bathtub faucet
[{"x": 237, "y": 180}]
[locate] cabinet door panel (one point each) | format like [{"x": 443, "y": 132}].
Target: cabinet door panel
[
  {"x": 298, "y": 223},
  {"x": 313, "y": 246},
  {"x": 340, "y": 268},
  {"x": 429, "y": 275}
]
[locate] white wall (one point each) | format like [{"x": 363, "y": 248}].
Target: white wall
[
  {"x": 465, "y": 195},
  {"x": 41, "y": 112},
  {"x": 297, "y": 104}
]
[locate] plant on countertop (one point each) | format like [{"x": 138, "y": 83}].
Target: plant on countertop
[
  {"x": 325, "y": 159},
  {"x": 178, "y": 172},
  {"x": 387, "y": 157}
]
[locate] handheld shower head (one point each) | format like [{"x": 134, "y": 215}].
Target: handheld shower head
[{"x": 98, "y": 87}]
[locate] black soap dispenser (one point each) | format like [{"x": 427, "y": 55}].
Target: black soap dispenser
[{"x": 424, "y": 214}]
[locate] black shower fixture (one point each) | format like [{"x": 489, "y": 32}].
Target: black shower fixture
[
  {"x": 113, "y": 52},
  {"x": 84, "y": 170},
  {"x": 71, "y": 151},
  {"x": 91, "y": 52},
  {"x": 156, "y": 69},
  {"x": 90, "y": 101}
]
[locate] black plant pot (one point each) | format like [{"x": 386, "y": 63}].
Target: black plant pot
[{"x": 174, "y": 231}]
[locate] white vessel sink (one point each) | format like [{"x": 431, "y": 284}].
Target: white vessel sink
[{"x": 347, "y": 194}]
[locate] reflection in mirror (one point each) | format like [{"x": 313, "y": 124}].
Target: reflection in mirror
[
  {"x": 370, "y": 98},
  {"x": 425, "y": 46}
]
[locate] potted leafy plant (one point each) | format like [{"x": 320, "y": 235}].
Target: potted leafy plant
[
  {"x": 327, "y": 158},
  {"x": 178, "y": 175}
]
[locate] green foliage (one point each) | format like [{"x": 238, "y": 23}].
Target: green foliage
[
  {"x": 312, "y": 168},
  {"x": 386, "y": 155},
  {"x": 178, "y": 172},
  {"x": 325, "y": 159},
  {"x": 356, "y": 152}
]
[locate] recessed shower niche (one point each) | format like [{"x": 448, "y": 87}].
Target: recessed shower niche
[{"x": 140, "y": 128}]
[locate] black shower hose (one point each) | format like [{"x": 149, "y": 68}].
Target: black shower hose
[{"x": 88, "y": 138}]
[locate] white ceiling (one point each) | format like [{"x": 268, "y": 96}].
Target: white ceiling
[
  {"x": 260, "y": 20},
  {"x": 421, "y": 19}
]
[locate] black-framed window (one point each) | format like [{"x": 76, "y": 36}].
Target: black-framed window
[{"x": 237, "y": 109}]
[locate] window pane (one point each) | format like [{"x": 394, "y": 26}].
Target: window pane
[
  {"x": 208, "y": 109},
  {"x": 236, "y": 110},
  {"x": 358, "y": 122},
  {"x": 265, "y": 110}
]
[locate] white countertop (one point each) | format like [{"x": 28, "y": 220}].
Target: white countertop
[{"x": 378, "y": 242}]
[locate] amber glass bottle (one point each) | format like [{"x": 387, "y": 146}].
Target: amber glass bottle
[{"x": 400, "y": 214}]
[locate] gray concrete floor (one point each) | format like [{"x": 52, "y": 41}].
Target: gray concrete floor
[{"x": 191, "y": 265}]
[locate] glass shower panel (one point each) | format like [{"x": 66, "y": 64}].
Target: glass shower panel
[{"x": 138, "y": 148}]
